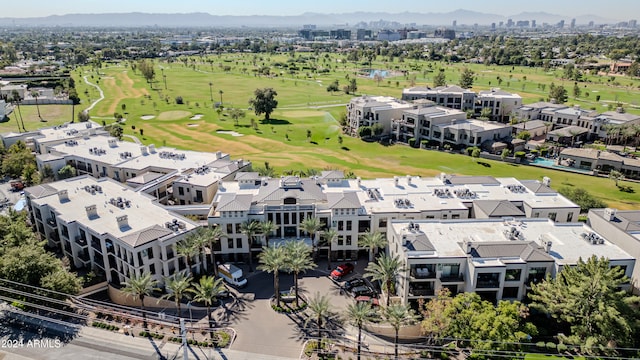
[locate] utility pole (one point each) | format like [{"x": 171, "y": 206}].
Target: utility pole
[{"x": 183, "y": 333}]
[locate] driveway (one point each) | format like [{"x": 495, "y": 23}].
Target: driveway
[{"x": 263, "y": 331}]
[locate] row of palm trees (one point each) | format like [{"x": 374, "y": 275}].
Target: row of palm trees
[
  {"x": 622, "y": 133},
  {"x": 179, "y": 286}
]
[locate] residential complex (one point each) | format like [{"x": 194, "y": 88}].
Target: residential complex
[
  {"x": 40, "y": 140},
  {"x": 496, "y": 258},
  {"x": 103, "y": 225},
  {"x": 355, "y": 206},
  {"x": 600, "y": 161}
]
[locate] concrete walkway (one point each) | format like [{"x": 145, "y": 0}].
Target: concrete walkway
[{"x": 93, "y": 104}]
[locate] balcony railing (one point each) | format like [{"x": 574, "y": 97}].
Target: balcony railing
[
  {"x": 52, "y": 222},
  {"x": 423, "y": 273},
  {"x": 421, "y": 291},
  {"x": 452, "y": 278},
  {"x": 81, "y": 241},
  {"x": 488, "y": 284}
]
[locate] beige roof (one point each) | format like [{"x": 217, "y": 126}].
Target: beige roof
[
  {"x": 584, "y": 153},
  {"x": 234, "y": 202},
  {"x": 498, "y": 208},
  {"x": 146, "y": 235}
]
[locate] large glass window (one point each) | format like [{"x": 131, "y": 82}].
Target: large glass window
[{"x": 513, "y": 275}]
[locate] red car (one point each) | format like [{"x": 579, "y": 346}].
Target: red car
[{"x": 341, "y": 271}]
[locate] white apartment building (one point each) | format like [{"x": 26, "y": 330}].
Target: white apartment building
[
  {"x": 369, "y": 110},
  {"x": 354, "y": 206},
  {"x": 501, "y": 103},
  {"x": 5, "y": 109},
  {"x": 175, "y": 177},
  {"x": 102, "y": 225},
  {"x": 40, "y": 140},
  {"x": 495, "y": 258}
]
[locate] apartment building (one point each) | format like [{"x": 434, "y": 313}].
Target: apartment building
[
  {"x": 501, "y": 103},
  {"x": 621, "y": 227},
  {"x": 5, "y": 109},
  {"x": 354, "y": 206},
  {"x": 176, "y": 177},
  {"x": 371, "y": 110},
  {"x": 100, "y": 224},
  {"x": 495, "y": 258},
  {"x": 40, "y": 140}
]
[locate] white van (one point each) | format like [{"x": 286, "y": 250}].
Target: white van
[{"x": 232, "y": 275}]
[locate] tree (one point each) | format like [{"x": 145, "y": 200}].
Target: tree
[
  {"x": 485, "y": 113},
  {"x": 16, "y": 99},
  {"x": 558, "y": 93},
  {"x": 266, "y": 228},
  {"x": 220, "y": 92},
  {"x": 320, "y": 307},
  {"x": 582, "y": 198},
  {"x": 311, "y": 225},
  {"x": 333, "y": 87},
  {"x": 272, "y": 260},
  {"x": 359, "y": 314},
  {"x": 353, "y": 86},
  {"x": 398, "y": 315},
  {"x": 264, "y": 102},
  {"x": 372, "y": 241},
  {"x": 576, "y": 90},
  {"x": 177, "y": 287},
  {"x": 116, "y": 131},
  {"x": 139, "y": 287},
  {"x": 213, "y": 235},
  {"x": 207, "y": 291},
  {"x": 66, "y": 172},
  {"x": 435, "y": 321},
  {"x": 467, "y": 78},
  {"x": 250, "y": 229},
  {"x": 616, "y": 176},
  {"x": 387, "y": 270},
  {"x": 475, "y": 153},
  {"x": 590, "y": 299},
  {"x": 83, "y": 116},
  {"x": 524, "y": 135},
  {"x": 211, "y": 90},
  {"x": 505, "y": 153},
  {"x": 35, "y": 94},
  {"x": 148, "y": 72},
  {"x": 16, "y": 158},
  {"x": 298, "y": 259},
  {"x": 440, "y": 79},
  {"x": 62, "y": 281},
  {"x": 188, "y": 248},
  {"x": 330, "y": 236},
  {"x": 236, "y": 114}
]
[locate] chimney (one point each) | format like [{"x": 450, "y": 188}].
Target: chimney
[
  {"x": 358, "y": 181},
  {"x": 143, "y": 150},
  {"x": 152, "y": 148},
  {"x": 610, "y": 214},
  {"x": 408, "y": 179},
  {"x": 468, "y": 247},
  {"x": 123, "y": 222},
  {"x": 395, "y": 180},
  {"x": 92, "y": 211},
  {"x": 547, "y": 246},
  {"x": 63, "y": 195},
  {"x": 112, "y": 143},
  {"x": 218, "y": 154}
]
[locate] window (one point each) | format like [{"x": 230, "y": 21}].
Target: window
[
  {"x": 340, "y": 241},
  {"x": 290, "y": 201},
  {"x": 230, "y": 243},
  {"x": 513, "y": 274},
  {"x": 570, "y": 217},
  {"x": 348, "y": 240},
  {"x": 552, "y": 216},
  {"x": 382, "y": 223},
  {"x": 286, "y": 218},
  {"x": 238, "y": 243},
  {"x": 455, "y": 216},
  {"x": 150, "y": 253},
  {"x": 340, "y": 225},
  {"x": 152, "y": 268},
  {"x": 238, "y": 226},
  {"x": 229, "y": 228},
  {"x": 349, "y": 225},
  {"x": 536, "y": 274},
  {"x": 536, "y": 214},
  {"x": 510, "y": 292},
  {"x": 180, "y": 190},
  {"x": 294, "y": 217}
]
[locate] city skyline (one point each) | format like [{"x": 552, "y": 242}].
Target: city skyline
[{"x": 41, "y": 8}]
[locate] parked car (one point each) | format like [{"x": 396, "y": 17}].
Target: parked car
[
  {"x": 363, "y": 290},
  {"x": 350, "y": 284},
  {"x": 341, "y": 271},
  {"x": 368, "y": 299}
]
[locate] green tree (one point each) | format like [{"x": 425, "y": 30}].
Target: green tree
[
  {"x": 435, "y": 319},
  {"x": 576, "y": 90},
  {"x": 147, "y": 70},
  {"x": 250, "y": 229},
  {"x": 298, "y": 259},
  {"x": 177, "y": 287},
  {"x": 66, "y": 172},
  {"x": 333, "y": 87},
  {"x": 558, "y": 93},
  {"x": 188, "y": 248},
  {"x": 467, "y": 78},
  {"x": 266, "y": 228},
  {"x": 485, "y": 113},
  {"x": 61, "y": 280},
  {"x": 398, "y": 315},
  {"x": 372, "y": 241},
  {"x": 386, "y": 269},
  {"x": 353, "y": 86},
  {"x": 524, "y": 135},
  {"x": 207, "y": 291},
  {"x": 616, "y": 176},
  {"x": 116, "y": 131},
  {"x": 505, "y": 153},
  {"x": 475, "y": 153},
  {"x": 582, "y": 198},
  {"x": 272, "y": 260},
  {"x": 311, "y": 225},
  {"x": 440, "y": 79},
  {"x": 213, "y": 235},
  {"x": 139, "y": 287},
  {"x": 264, "y": 102},
  {"x": 590, "y": 300},
  {"x": 358, "y": 315},
  {"x": 320, "y": 307},
  {"x": 83, "y": 116},
  {"x": 35, "y": 94},
  {"x": 236, "y": 114},
  {"x": 16, "y": 158},
  {"x": 330, "y": 236}
]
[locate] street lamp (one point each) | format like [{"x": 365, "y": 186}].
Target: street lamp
[{"x": 190, "y": 314}]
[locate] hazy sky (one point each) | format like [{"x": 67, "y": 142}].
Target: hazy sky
[{"x": 614, "y": 9}]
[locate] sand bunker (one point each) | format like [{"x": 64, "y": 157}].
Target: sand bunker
[
  {"x": 147, "y": 117},
  {"x": 226, "y": 132},
  {"x": 193, "y": 125},
  {"x": 197, "y": 117}
]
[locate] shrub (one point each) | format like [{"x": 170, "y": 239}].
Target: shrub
[
  {"x": 562, "y": 347},
  {"x": 424, "y": 143},
  {"x": 179, "y": 100},
  {"x": 222, "y": 339},
  {"x": 520, "y": 154},
  {"x": 551, "y": 346},
  {"x": 412, "y": 142},
  {"x": 364, "y": 131}
]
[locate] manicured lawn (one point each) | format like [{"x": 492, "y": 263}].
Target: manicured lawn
[
  {"x": 304, "y": 105},
  {"x": 53, "y": 114}
]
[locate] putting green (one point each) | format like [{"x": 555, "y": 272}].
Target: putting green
[{"x": 174, "y": 115}]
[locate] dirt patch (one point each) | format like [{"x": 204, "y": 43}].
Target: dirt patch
[
  {"x": 119, "y": 91},
  {"x": 173, "y": 115}
]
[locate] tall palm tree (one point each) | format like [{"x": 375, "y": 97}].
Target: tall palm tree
[
  {"x": 372, "y": 241},
  {"x": 386, "y": 269},
  {"x": 200, "y": 242},
  {"x": 16, "y": 99},
  {"x": 272, "y": 260},
  {"x": 213, "y": 235},
  {"x": 211, "y": 90},
  {"x": 221, "y": 92},
  {"x": 140, "y": 287},
  {"x": 398, "y": 315},
  {"x": 36, "y": 95},
  {"x": 359, "y": 314},
  {"x": 188, "y": 248},
  {"x": 250, "y": 229},
  {"x": 177, "y": 287},
  {"x": 311, "y": 225},
  {"x": 298, "y": 260},
  {"x": 321, "y": 308},
  {"x": 267, "y": 227},
  {"x": 207, "y": 291},
  {"x": 329, "y": 237}
]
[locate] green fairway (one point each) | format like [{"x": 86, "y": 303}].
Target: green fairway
[
  {"x": 303, "y": 105},
  {"x": 52, "y": 114}
]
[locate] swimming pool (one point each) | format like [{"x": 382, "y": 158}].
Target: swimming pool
[
  {"x": 552, "y": 164},
  {"x": 373, "y": 73}
]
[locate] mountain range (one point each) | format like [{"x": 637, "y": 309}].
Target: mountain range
[{"x": 323, "y": 20}]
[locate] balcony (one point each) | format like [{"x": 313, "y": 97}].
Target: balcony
[
  {"x": 52, "y": 222},
  {"x": 535, "y": 279},
  {"x": 488, "y": 281},
  {"x": 452, "y": 278},
  {"x": 417, "y": 290},
  {"x": 84, "y": 257},
  {"x": 96, "y": 246},
  {"x": 423, "y": 272},
  {"x": 81, "y": 241}
]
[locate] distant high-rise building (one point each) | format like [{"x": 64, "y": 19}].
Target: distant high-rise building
[
  {"x": 533, "y": 23},
  {"x": 493, "y": 26},
  {"x": 573, "y": 23},
  {"x": 455, "y": 23},
  {"x": 522, "y": 23},
  {"x": 309, "y": 27},
  {"x": 340, "y": 34},
  {"x": 364, "y": 34},
  {"x": 445, "y": 33},
  {"x": 561, "y": 24},
  {"x": 509, "y": 23},
  {"x": 501, "y": 24},
  {"x": 633, "y": 23},
  {"x": 591, "y": 23}
]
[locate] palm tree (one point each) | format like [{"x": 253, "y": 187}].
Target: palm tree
[
  {"x": 311, "y": 225},
  {"x": 211, "y": 90},
  {"x": 321, "y": 308},
  {"x": 139, "y": 287},
  {"x": 372, "y": 241},
  {"x": 329, "y": 237},
  {"x": 36, "y": 95},
  {"x": 272, "y": 260},
  {"x": 177, "y": 287},
  {"x": 386, "y": 269},
  {"x": 398, "y": 315},
  {"x": 359, "y": 314},
  {"x": 200, "y": 242},
  {"x": 207, "y": 291},
  {"x": 188, "y": 248},
  {"x": 16, "y": 99},
  {"x": 298, "y": 260},
  {"x": 267, "y": 227},
  {"x": 221, "y": 92},
  {"x": 213, "y": 235},
  {"x": 250, "y": 228}
]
